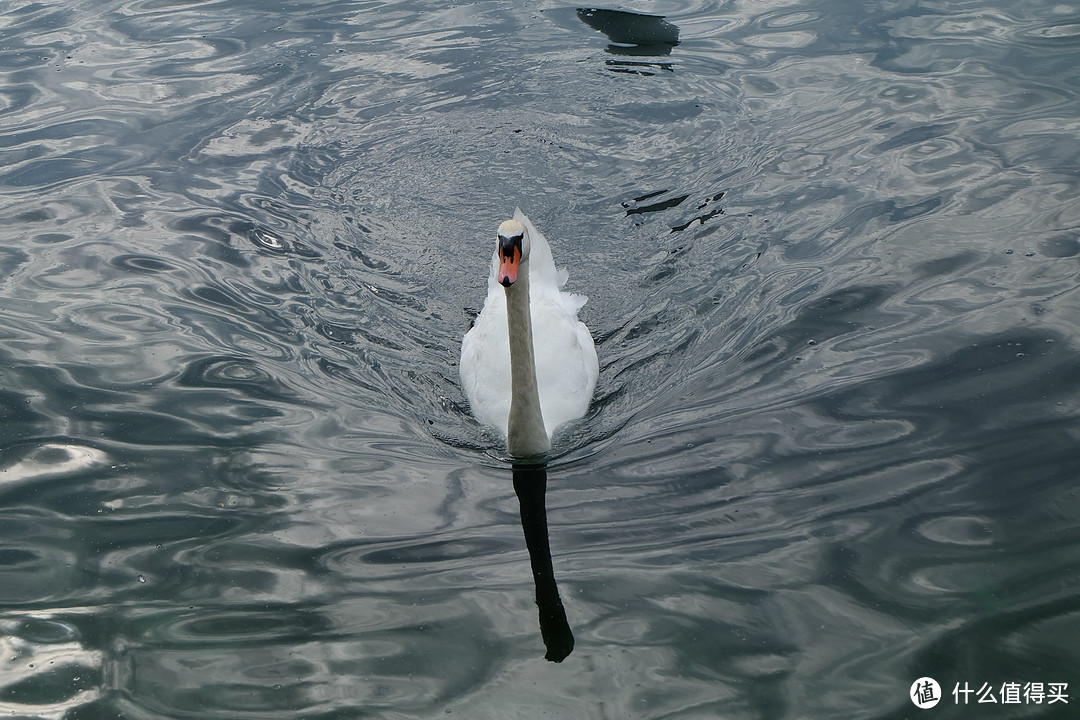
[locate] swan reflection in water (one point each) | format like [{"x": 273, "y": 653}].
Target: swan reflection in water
[{"x": 530, "y": 485}]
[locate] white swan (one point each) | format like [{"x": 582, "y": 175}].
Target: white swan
[{"x": 528, "y": 365}]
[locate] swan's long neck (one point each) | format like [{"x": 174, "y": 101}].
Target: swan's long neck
[{"x": 525, "y": 431}]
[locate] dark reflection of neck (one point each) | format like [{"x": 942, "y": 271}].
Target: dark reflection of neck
[{"x": 530, "y": 484}]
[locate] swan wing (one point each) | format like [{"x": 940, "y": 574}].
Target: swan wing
[
  {"x": 542, "y": 270},
  {"x": 566, "y": 362},
  {"x": 485, "y": 362}
]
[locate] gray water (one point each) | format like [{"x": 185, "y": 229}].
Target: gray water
[{"x": 832, "y": 254}]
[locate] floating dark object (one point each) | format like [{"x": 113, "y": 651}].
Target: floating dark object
[{"x": 635, "y": 33}]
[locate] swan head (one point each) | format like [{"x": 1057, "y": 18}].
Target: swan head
[{"x": 513, "y": 249}]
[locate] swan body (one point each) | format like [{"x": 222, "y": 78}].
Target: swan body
[{"x": 528, "y": 365}]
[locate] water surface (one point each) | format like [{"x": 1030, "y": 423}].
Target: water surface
[{"x": 832, "y": 253}]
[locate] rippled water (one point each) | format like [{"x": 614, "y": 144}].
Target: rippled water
[{"x": 832, "y": 251}]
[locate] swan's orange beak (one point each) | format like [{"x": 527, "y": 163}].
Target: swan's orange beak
[{"x": 509, "y": 262}]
